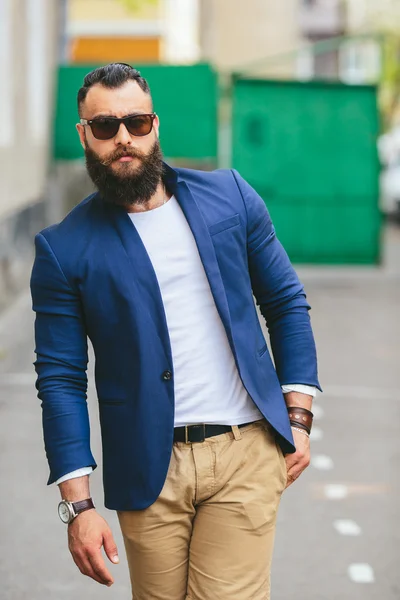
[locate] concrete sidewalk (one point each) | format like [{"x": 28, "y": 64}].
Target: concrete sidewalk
[{"x": 337, "y": 536}]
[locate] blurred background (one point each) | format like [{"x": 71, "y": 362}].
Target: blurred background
[{"x": 303, "y": 98}]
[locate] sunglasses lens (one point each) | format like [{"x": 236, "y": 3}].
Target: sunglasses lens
[
  {"x": 139, "y": 125},
  {"x": 104, "y": 129}
]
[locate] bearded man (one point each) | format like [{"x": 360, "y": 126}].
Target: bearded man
[{"x": 201, "y": 433}]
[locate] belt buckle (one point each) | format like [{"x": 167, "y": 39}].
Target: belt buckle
[{"x": 187, "y": 427}]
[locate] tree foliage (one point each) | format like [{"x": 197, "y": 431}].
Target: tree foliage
[{"x": 390, "y": 81}]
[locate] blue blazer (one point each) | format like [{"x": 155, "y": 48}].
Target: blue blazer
[{"x": 92, "y": 277}]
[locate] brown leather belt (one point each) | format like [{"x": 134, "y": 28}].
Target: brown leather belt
[{"x": 191, "y": 434}]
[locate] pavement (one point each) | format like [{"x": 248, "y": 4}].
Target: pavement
[{"x": 338, "y": 535}]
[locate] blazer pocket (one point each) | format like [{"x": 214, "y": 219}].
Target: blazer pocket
[
  {"x": 233, "y": 221},
  {"x": 112, "y": 402}
]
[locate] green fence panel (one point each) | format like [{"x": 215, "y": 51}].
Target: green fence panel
[
  {"x": 185, "y": 98},
  {"x": 310, "y": 151}
]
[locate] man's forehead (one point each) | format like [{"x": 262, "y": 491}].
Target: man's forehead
[{"x": 126, "y": 99}]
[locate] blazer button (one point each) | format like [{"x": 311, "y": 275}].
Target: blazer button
[{"x": 167, "y": 375}]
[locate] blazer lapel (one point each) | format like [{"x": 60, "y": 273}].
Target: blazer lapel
[{"x": 197, "y": 224}]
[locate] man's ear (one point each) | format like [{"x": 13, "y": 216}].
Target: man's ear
[
  {"x": 156, "y": 126},
  {"x": 82, "y": 137}
]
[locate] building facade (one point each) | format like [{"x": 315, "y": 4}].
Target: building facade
[
  {"x": 28, "y": 54},
  {"x": 145, "y": 31},
  {"x": 236, "y": 34}
]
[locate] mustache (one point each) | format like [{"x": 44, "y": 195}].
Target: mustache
[{"x": 121, "y": 153}]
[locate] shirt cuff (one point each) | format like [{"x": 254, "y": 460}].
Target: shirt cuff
[
  {"x": 74, "y": 474},
  {"x": 310, "y": 390}
]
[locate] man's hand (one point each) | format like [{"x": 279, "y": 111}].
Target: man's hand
[
  {"x": 297, "y": 462},
  {"x": 87, "y": 533}
]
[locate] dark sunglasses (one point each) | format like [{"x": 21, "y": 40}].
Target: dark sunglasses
[{"x": 105, "y": 128}]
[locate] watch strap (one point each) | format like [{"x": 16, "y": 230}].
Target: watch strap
[{"x": 82, "y": 505}]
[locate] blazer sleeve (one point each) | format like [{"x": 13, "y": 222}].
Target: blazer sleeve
[
  {"x": 279, "y": 294},
  {"x": 61, "y": 351}
]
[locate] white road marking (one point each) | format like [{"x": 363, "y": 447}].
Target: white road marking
[
  {"x": 318, "y": 412},
  {"x": 361, "y": 573},
  {"x": 336, "y": 491},
  {"x": 322, "y": 462},
  {"x": 347, "y": 527},
  {"x": 316, "y": 434}
]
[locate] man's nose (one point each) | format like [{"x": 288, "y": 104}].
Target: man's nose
[{"x": 123, "y": 137}]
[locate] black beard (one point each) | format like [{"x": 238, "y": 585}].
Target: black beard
[{"x": 126, "y": 188}]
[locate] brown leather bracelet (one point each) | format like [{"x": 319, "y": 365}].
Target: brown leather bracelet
[{"x": 301, "y": 416}]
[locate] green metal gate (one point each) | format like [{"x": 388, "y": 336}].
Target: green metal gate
[
  {"x": 185, "y": 98},
  {"x": 309, "y": 149}
]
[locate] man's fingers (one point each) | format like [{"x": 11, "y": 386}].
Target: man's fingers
[
  {"x": 98, "y": 566},
  {"x": 295, "y": 470},
  {"x": 299, "y": 463},
  {"x": 110, "y": 547},
  {"x": 299, "y": 460},
  {"x": 90, "y": 572},
  {"x": 290, "y": 479},
  {"x": 83, "y": 564}
]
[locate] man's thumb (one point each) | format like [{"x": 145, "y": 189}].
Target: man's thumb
[{"x": 110, "y": 547}]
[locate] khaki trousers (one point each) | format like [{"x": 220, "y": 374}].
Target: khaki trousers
[{"x": 210, "y": 533}]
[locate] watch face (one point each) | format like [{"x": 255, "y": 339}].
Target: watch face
[{"x": 64, "y": 512}]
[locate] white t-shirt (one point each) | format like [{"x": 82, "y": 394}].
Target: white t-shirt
[{"x": 207, "y": 385}]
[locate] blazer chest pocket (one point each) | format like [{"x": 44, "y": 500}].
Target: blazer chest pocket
[{"x": 224, "y": 225}]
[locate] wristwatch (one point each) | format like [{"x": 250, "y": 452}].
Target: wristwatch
[{"x": 67, "y": 511}]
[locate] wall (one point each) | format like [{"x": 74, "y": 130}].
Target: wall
[
  {"x": 28, "y": 51},
  {"x": 370, "y": 15},
  {"x": 234, "y": 33}
]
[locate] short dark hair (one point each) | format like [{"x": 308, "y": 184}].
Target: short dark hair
[{"x": 113, "y": 75}]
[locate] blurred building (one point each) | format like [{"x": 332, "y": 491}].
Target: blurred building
[
  {"x": 321, "y": 20},
  {"x": 302, "y": 39},
  {"x": 356, "y": 28},
  {"x": 28, "y": 54},
  {"x": 236, "y": 34},
  {"x": 100, "y": 31}
]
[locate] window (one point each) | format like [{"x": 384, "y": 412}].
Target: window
[{"x": 359, "y": 62}]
